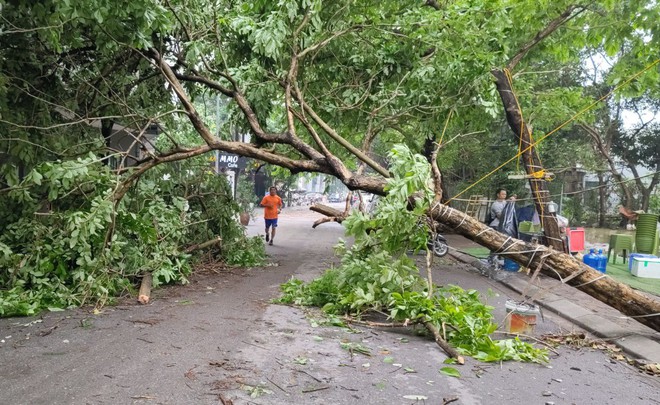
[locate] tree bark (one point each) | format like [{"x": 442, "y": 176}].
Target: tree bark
[
  {"x": 531, "y": 160},
  {"x": 557, "y": 265}
]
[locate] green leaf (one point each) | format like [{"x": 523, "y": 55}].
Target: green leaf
[{"x": 450, "y": 371}]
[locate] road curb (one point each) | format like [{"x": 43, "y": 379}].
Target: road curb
[{"x": 634, "y": 344}]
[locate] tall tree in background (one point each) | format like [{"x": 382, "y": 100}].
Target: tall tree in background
[{"x": 638, "y": 147}]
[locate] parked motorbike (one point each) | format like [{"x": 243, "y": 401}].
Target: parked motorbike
[{"x": 438, "y": 244}]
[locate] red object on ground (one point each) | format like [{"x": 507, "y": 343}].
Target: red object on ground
[{"x": 576, "y": 239}]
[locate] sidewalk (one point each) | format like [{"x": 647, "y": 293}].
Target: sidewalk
[{"x": 590, "y": 314}]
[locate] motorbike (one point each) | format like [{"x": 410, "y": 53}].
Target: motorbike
[{"x": 438, "y": 244}]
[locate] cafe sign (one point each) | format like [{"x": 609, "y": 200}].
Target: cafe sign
[{"x": 230, "y": 161}]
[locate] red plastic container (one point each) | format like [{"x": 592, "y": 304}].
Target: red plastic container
[{"x": 575, "y": 239}]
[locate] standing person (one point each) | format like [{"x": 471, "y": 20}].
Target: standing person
[
  {"x": 497, "y": 208},
  {"x": 272, "y": 204}
]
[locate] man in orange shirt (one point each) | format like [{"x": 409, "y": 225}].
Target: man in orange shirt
[{"x": 272, "y": 204}]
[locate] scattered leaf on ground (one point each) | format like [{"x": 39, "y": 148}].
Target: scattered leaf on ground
[
  {"x": 450, "y": 371},
  {"x": 356, "y": 348}
]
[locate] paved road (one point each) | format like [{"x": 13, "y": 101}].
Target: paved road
[{"x": 220, "y": 338}]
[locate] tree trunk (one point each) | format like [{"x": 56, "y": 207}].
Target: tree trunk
[
  {"x": 556, "y": 264},
  {"x": 602, "y": 197},
  {"x": 648, "y": 190},
  {"x": 646, "y": 199},
  {"x": 530, "y": 159}
]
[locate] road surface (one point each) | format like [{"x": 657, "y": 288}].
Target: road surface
[{"x": 219, "y": 338}]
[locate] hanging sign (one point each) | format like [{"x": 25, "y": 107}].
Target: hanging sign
[{"x": 230, "y": 161}]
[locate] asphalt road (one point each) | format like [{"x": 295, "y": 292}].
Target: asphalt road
[{"x": 219, "y": 338}]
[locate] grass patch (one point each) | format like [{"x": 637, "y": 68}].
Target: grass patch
[
  {"x": 480, "y": 252},
  {"x": 620, "y": 273}
]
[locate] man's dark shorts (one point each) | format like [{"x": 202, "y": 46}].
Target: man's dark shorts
[{"x": 272, "y": 222}]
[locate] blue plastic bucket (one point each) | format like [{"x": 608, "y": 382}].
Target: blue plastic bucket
[{"x": 510, "y": 265}]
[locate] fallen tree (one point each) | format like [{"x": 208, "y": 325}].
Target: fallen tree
[
  {"x": 552, "y": 263},
  {"x": 555, "y": 264}
]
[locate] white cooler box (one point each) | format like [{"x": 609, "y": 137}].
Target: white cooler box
[{"x": 646, "y": 267}]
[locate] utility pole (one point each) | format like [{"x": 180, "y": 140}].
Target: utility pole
[{"x": 531, "y": 161}]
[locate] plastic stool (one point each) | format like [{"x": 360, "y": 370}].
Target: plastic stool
[{"x": 619, "y": 243}]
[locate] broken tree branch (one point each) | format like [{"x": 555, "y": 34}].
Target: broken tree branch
[
  {"x": 451, "y": 352},
  {"x": 331, "y": 214},
  {"x": 199, "y": 246},
  {"x": 544, "y": 33},
  {"x": 145, "y": 289}
]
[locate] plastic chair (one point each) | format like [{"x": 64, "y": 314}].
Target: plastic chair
[{"x": 619, "y": 243}]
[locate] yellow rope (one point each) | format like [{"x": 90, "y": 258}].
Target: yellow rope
[
  {"x": 589, "y": 107},
  {"x": 445, "y": 128}
]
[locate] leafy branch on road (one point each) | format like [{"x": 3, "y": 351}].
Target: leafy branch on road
[
  {"x": 66, "y": 243},
  {"x": 376, "y": 275}
]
